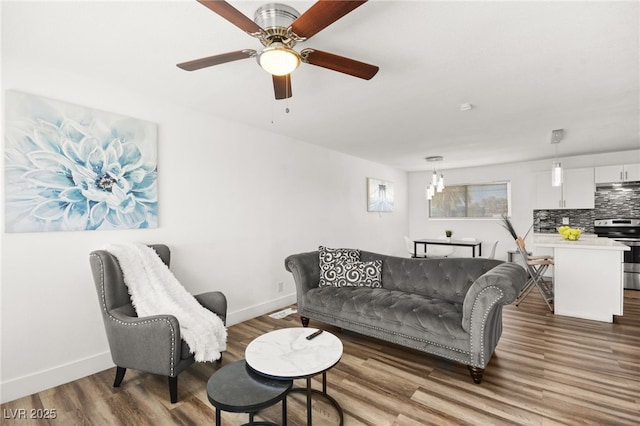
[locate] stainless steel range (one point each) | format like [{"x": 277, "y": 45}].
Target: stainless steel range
[{"x": 626, "y": 231}]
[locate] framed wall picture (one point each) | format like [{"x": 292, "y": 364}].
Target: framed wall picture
[
  {"x": 379, "y": 195},
  {"x": 72, "y": 168}
]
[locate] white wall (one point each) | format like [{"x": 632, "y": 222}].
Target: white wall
[
  {"x": 523, "y": 194},
  {"x": 233, "y": 203}
]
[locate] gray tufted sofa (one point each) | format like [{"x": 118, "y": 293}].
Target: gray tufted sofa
[{"x": 449, "y": 307}]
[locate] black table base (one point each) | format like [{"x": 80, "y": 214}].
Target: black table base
[
  {"x": 309, "y": 391},
  {"x": 236, "y": 388}
]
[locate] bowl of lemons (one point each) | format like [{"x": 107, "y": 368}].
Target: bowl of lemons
[{"x": 569, "y": 233}]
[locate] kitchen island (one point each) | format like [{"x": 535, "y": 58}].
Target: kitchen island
[{"x": 588, "y": 280}]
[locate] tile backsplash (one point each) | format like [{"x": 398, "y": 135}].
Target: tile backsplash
[
  {"x": 609, "y": 203},
  {"x": 618, "y": 203},
  {"x": 548, "y": 221}
]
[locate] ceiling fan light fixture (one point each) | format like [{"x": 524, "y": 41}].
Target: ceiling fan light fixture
[
  {"x": 278, "y": 59},
  {"x": 279, "y": 28}
]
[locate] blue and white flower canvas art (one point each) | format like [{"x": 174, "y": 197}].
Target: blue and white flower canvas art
[{"x": 72, "y": 168}]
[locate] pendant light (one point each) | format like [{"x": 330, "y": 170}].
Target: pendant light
[
  {"x": 436, "y": 184},
  {"x": 556, "y": 168},
  {"x": 440, "y": 185}
]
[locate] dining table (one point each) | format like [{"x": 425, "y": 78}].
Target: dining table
[{"x": 473, "y": 244}]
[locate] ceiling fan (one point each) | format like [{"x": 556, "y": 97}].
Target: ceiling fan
[{"x": 279, "y": 27}]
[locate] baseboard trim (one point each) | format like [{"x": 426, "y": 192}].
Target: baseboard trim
[
  {"x": 56, "y": 376},
  {"x": 260, "y": 309}
]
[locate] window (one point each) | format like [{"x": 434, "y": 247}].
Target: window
[{"x": 490, "y": 200}]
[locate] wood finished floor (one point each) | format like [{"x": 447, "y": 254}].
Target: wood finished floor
[{"x": 547, "y": 370}]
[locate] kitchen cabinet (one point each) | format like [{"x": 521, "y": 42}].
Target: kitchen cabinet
[
  {"x": 577, "y": 190},
  {"x": 618, "y": 173}
]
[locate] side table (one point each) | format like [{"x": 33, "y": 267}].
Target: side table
[
  {"x": 235, "y": 388},
  {"x": 287, "y": 354}
]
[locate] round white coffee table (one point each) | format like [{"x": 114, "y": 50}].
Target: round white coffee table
[{"x": 287, "y": 354}]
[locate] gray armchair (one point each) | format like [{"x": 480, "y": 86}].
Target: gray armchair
[{"x": 149, "y": 344}]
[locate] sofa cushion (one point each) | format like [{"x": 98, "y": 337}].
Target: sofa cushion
[
  {"x": 330, "y": 259},
  {"x": 445, "y": 279},
  {"x": 186, "y": 350},
  {"x": 407, "y": 314}
]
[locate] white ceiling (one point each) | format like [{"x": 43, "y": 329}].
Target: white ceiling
[{"x": 527, "y": 67}]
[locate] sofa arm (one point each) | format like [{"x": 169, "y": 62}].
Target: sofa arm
[
  {"x": 501, "y": 284},
  {"x": 482, "y": 308},
  {"x": 156, "y": 339},
  {"x": 305, "y": 268}
]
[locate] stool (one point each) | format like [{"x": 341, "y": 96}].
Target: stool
[{"x": 235, "y": 388}]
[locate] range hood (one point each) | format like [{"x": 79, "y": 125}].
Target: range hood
[{"x": 619, "y": 185}]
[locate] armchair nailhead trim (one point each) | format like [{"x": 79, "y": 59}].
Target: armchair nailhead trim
[
  {"x": 133, "y": 324},
  {"x": 483, "y": 323}
]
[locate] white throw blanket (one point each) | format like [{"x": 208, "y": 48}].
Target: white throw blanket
[{"x": 155, "y": 290}]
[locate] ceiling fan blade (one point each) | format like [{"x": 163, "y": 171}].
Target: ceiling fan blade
[
  {"x": 322, "y": 14},
  {"x": 217, "y": 59},
  {"x": 282, "y": 86},
  {"x": 232, "y": 15},
  {"x": 339, "y": 63}
]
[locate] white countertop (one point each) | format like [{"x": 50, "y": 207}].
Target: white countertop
[{"x": 585, "y": 242}]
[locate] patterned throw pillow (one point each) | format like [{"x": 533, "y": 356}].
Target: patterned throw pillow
[
  {"x": 342, "y": 268},
  {"x": 330, "y": 257},
  {"x": 370, "y": 274}
]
